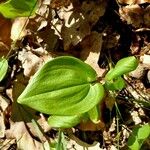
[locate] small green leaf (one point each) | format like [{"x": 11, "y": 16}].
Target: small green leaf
[
  {"x": 138, "y": 136},
  {"x": 18, "y": 8},
  {"x": 122, "y": 67},
  {"x": 63, "y": 121},
  {"x": 64, "y": 86},
  {"x": 143, "y": 132},
  {"x": 3, "y": 68},
  {"x": 116, "y": 84},
  {"x": 94, "y": 114}
]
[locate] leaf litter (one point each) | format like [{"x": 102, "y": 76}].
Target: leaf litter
[{"x": 93, "y": 32}]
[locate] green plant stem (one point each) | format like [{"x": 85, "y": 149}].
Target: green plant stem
[
  {"x": 117, "y": 124},
  {"x": 59, "y": 139},
  {"x": 118, "y": 111},
  {"x": 7, "y": 56}
]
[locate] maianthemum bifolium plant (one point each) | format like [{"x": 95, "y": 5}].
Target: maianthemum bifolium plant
[{"x": 68, "y": 90}]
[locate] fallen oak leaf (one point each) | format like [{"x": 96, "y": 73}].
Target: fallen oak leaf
[
  {"x": 58, "y": 4},
  {"x": 90, "y": 51},
  {"x": 130, "y": 2},
  {"x": 5, "y": 32},
  {"x": 75, "y": 33},
  {"x": 2, "y": 125},
  {"x": 24, "y": 140}
]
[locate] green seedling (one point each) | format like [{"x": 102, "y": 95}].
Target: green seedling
[
  {"x": 67, "y": 89},
  {"x": 138, "y": 136},
  {"x": 3, "y": 68},
  {"x": 113, "y": 78}
]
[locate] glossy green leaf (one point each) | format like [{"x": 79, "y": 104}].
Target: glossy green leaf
[
  {"x": 63, "y": 121},
  {"x": 122, "y": 67},
  {"x": 18, "y": 8},
  {"x": 3, "y": 68},
  {"x": 138, "y": 136},
  {"x": 116, "y": 84},
  {"x": 94, "y": 114},
  {"x": 64, "y": 86}
]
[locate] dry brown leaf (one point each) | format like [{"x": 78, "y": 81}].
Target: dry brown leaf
[
  {"x": 5, "y": 30},
  {"x": 19, "y": 85},
  {"x": 137, "y": 16},
  {"x": 93, "y": 10},
  {"x": 78, "y": 20},
  {"x": 24, "y": 140},
  {"x": 139, "y": 72},
  {"x": 111, "y": 39},
  {"x": 133, "y": 1},
  {"x": 49, "y": 38},
  {"x": 3, "y": 49},
  {"x": 90, "y": 126},
  {"x": 91, "y": 48},
  {"x": 7, "y": 144},
  {"x": 135, "y": 116},
  {"x": 147, "y": 16},
  {"x": 74, "y": 34},
  {"x": 132, "y": 14},
  {"x": 148, "y": 77},
  {"x": 18, "y": 28},
  {"x": 109, "y": 101},
  {"x": 22, "y": 129},
  {"x": 145, "y": 59},
  {"x": 2, "y": 125},
  {"x": 77, "y": 142},
  {"x": 58, "y": 3},
  {"x": 30, "y": 62},
  {"x": 3, "y": 103},
  {"x": 73, "y": 145}
]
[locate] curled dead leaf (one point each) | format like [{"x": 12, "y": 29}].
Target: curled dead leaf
[
  {"x": 130, "y": 2},
  {"x": 3, "y": 49},
  {"x": 147, "y": 16},
  {"x": 136, "y": 15},
  {"x": 18, "y": 28},
  {"x": 58, "y": 3},
  {"x": 3, "y": 103},
  {"x": 2, "y": 125},
  {"x": 30, "y": 62},
  {"x": 75, "y": 33},
  {"x": 90, "y": 51},
  {"x": 5, "y": 30},
  {"x": 132, "y": 14},
  {"x": 24, "y": 140},
  {"x": 109, "y": 101},
  {"x": 90, "y": 126},
  {"x": 93, "y": 10}
]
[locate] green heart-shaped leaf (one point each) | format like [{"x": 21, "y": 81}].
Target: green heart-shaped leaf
[
  {"x": 64, "y": 86},
  {"x": 18, "y": 8},
  {"x": 3, "y": 68},
  {"x": 123, "y": 66}
]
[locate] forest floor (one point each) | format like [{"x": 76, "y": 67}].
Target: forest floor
[{"x": 96, "y": 32}]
